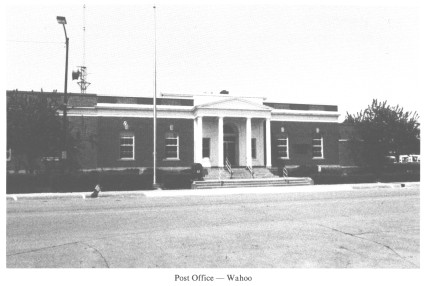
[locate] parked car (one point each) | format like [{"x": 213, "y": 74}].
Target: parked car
[
  {"x": 409, "y": 158},
  {"x": 391, "y": 159},
  {"x": 415, "y": 158},
  {"x": 405, "y": 159}
]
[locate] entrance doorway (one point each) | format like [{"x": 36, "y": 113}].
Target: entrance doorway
[{"x": 231, "y": 145}]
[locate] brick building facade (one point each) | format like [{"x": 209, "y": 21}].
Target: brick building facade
[{"x": 117, "y": 132}]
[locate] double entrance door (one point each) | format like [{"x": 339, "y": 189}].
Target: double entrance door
[{"x": 230, "y": 151}]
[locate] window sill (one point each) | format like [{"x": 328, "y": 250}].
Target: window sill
[
  {"x": 172, "y": 159},
  {"x": 284, "y": 158},
  {"x": 318, "y": 158},
  {"x": 126, "y": 159}
]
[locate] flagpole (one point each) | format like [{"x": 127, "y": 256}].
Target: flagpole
[{"x": 155, "y": 186}]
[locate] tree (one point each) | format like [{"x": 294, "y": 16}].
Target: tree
[
  {"x": 385, "y": 130},
  {"x": 34, "y": 128}
]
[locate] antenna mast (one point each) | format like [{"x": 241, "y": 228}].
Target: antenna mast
[
  {"x": 82, "y": 69},
  {"x": 84, "y": 34}
]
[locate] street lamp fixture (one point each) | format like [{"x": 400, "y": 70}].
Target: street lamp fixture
[{"x": 62, "y": 21}]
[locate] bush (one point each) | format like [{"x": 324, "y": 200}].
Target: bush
[
  {"x": 28, "y": 183},
  {"x": 329, "y": 179},
  {"x": 73, "y": 182},
  {"x": 20, "y": 184},
  {"x": 85, "y": 182},
  {"x": 332, "y": 170},
  {"x": 125, "y": 182},
  {"x": 303, "y": 171},
  {"x": 400, "y": 177},
  {"x": 402, "y": 168},
  {"x": 177, "y": 181},
  {"x": 356, "y": 171}
]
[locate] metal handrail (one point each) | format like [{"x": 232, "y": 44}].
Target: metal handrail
[
  {"x": 251, "y": 171},
  {"x": 228, "y": 167},
  {"x": 285, "y": 172}
]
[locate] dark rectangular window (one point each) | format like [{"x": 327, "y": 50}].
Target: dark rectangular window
[
  {"x": 318, "y": 147},
  {"x": 127, "y": 147},
  {"x": 253, "y": 144},
  {"x": 206, "y": 147},
  {"x": 283, "y": 148},
  {"x": 172, "y": 146}
]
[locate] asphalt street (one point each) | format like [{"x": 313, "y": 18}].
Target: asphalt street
[{"x": 361, "y": 228}]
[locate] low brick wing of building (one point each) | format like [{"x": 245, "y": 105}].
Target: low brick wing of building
[{"x": 116, "y": 132}]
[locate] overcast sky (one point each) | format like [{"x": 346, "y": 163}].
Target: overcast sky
[{"x": 343, "y": 55}]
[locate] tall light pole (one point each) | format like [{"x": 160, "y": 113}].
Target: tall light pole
[
  {"x": 155, "y": 186},
  {"x": 62, "y": 21}
]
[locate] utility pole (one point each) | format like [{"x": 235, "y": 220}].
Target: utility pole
[{"x": 64, "y": 156}]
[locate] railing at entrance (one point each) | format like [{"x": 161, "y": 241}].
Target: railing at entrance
[
  {"x": 251, "y": 171},
  {"x": 285, "y": 172},
  {"x": 228, "y": 167}
]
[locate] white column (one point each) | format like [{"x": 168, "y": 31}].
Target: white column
[
  {"x": 248, "y": 142},
  {"x": 195, "y": 140},
  {"x": 268, "y": 142},
  {"x": 200, "y": 139},
  {"x": 220, "y": 142}
]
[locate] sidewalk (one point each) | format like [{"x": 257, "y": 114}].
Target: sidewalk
[{"x": 217, "y": 192}]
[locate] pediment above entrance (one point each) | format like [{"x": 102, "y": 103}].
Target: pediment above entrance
[{"x": 234, "y": 104}]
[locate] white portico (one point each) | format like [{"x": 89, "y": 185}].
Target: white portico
[
  {"x": 249, "y": 131},
  {"x": 234, "y": 129}
]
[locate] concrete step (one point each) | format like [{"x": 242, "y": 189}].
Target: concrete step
[
  {"x": 263, "y": 173},
  {"x": 260, "y": 182},
  {"x": 216, "y": 174},
  {"x": 238, "y": 173},
  {"x": 236, "y": 186},
  {"x": 241, "y": 173}
]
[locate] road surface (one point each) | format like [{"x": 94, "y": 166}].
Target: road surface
[{"x": 370, "y": 228}]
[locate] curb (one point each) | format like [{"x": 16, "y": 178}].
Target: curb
[
  {"x": 47, "y": 196},
  {"x": 396, "y": 185},
  {"x": 81, "y": 195},
  {"x": 218, "y": 192}
]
